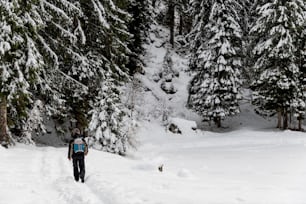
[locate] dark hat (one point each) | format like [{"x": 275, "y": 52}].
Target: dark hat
[{"x": 76, "y": 131}]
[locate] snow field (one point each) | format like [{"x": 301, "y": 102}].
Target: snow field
[
  {"x": 243, "y": 166},
  {"x": 236, "y": 167}
]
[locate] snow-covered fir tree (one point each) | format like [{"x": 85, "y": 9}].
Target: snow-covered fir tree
[
  {"x": 118, "y": 38},
  {"x": 58, "y": 50},
  {"x": 20, "y": 60},
  {"x": 250, "y": 16},
  {"x": 66, "y": 68},
  {"x": 139, "y": 25},
  {"x": 302, "y": 50},
  {"x": 107, "y": 37},
  {"x": 185, "y": 18},
  {"x": 214, "y": 90},
  {"x": 200, "y": 11},
  {"x": 106, "y": 122},
  {"x": 87, "y": 38},
  {"x": 277, "y": 87}
]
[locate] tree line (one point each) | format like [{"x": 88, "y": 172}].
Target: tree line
[
  {"x": 249, "y": 44},
  {"x": 236, "y": 44},
  {"x": 68, "y": 59}
]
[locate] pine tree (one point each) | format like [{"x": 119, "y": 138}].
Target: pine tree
[
  {"x": 214, "y": 90},
  {"x": 302, "y": 49},
  {"x": 71, "y": 72},
  {"x": 200, "y": 11},
  {"x": 277, "y": 87},
  {"x": 185, "y": 18},
  {"x": 139, "y": 26},
  {"x": 119, "y": 38},
  {"x": 89, "y": 38},
  {"x": 20, "y": 59},
  {"x": 249, "y": 43},
  {"x": 106, "y": 122},
  {"x": 107, "y": 35}
]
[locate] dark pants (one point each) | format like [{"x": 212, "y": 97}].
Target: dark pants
[{"x": 79, "y": 168}]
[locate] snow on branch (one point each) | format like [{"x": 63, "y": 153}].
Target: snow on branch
[
  {"x": 79, "y": 30},
  {"x": 52, "y": 54},
  {"x": 70, "y": 6},
  {"x": 100, "y": 10},
  {"x": 56, "y": 9},
  {"x": 65, "y": 32},
  {"x": 69, "y": 78}
]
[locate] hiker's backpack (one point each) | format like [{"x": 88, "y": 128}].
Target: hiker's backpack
[{"x": 78, "y": 145}]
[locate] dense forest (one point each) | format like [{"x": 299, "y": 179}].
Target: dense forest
[{"x": 66, "y": 61}]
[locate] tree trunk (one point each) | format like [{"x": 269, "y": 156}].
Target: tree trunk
[
  {"x": 279, "y": 118},
  {"x": 290, "y": 125},
  {"x": 171, "y": 14},
  {"x": 285, "y": 121},
  {"x": 217, "y": 121},
  {"x": 300, "y": 122},
  {"x": 181, "y": 26},
  {"x": 4, "y": 138}
]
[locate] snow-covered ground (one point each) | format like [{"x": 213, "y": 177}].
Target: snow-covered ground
[{"x": 243, "y": 166}]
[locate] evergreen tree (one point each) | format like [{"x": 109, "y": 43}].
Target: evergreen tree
[
  {"x": 302, "y": 49},
  {"x": 118, "y": 39},
  {"x": 106, "y": 121},
  {"x": 107, "y": 38},
  {"x": 20, "y": 59},
  {"x": 214, "y": 90},
  {"x": 65, "y": 67},
  {"x": 277, "y": 87},
  {"x": 185, "y": 18},
  {"x": 200, "y": 11},
  {"x": 89, "y": 39},
  {"x": 139, "y": 26},
  {"x": 249, "y": 43}
]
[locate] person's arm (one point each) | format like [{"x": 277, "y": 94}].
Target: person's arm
[
  {"x": 86, "y": 148},
  {"x": 69, "y": 150}
]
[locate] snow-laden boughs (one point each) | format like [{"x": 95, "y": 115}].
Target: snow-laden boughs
[
  {"x": 302, "y": 51},
  {"x": 139, "y": 25},
  {"x": 214, "y": 90},
  {"x": 33, "y": 124},
  {"x": 104, "y": 26},
  {"x": 106, "y": 122},
  {"x": 67, "y": 66},
  {"x": 84, "y": 39},
  {"x": 20, "y": 59},
  {"x": 120, "y": 37},
  {"x": 200, "y": 11},
  {"x": 277, "y": 86}
]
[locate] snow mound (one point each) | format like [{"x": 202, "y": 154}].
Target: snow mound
[{"x": 186, "y": 127}]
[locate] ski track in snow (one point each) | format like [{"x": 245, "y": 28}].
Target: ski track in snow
[{"x": 43, "y": 177}]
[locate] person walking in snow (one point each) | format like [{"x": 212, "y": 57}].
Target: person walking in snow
[{"x": 77, "y": 151}]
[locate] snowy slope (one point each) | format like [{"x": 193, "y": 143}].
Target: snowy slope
[{"x": 154, "y": 102}]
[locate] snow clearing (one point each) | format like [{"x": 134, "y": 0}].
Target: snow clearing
[{"x": 243, "y": 166}]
